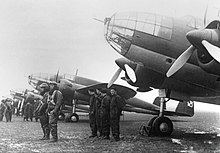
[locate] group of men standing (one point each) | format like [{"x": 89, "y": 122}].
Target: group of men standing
[{"x": 105, "y": 110}]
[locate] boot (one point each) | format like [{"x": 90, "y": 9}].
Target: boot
[
  {"x": 54, "y": 140},
  {"x": 93, "y": 135},
  {"x": 45, "y": 138}
]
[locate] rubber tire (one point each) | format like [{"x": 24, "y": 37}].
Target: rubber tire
[
  {"x": 76, "y": 116},
  {"x": 150, "y": 123},
  {"x": 156, "y": 126},
  {"x": 61, "y": 117}
]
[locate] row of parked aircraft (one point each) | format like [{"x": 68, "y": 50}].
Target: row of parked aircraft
[{"x": 178, "y": 56}]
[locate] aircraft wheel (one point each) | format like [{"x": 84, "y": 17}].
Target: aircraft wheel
[
  {"x": 151, "y": 129},
  {"x": 61, "y": 117},
  {"x": 74, "y": 118},
  {"x": 162, "y": 126},
  {"x": 150, "y": 123}
]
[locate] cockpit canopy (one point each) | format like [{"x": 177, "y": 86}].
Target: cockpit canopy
[{"x": 120, "y": 28}]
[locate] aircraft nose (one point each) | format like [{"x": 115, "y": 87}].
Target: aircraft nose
[{"x": 119, "y": 32}]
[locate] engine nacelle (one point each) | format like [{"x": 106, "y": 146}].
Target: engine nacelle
[{"x": 212, "y": 66}]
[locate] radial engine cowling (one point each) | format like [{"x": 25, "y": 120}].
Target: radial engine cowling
[
  {"x": 207, "y": 43},
  {"x": 212, "y": 66}
]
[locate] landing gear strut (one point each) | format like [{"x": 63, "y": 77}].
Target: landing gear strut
[
  {"x": 161, "y": 126},
  {"x": 73, "y": 117}
]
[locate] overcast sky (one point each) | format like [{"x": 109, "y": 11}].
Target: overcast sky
[{"x": 47, "y": 35}]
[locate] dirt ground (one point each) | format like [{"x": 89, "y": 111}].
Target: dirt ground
[{"x": 198, "y": 134}]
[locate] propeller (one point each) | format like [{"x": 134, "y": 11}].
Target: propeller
[
  {"x": 114, "y": 78},
  {"x": 195, "y": 38},
  {"x": 57, "y": 76},
  {"x": 213, "y": 50},
  {"x": 205, "y": 16},
  {"x": 203, "y": 41},
  {"x": 131, "y": 73},
  {"x": 180, "y": 61}
]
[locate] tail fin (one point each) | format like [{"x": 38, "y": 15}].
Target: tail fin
[{"x": 185, "y": 108}]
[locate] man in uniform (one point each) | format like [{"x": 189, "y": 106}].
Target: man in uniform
[
  {"x": 98, "y": 111},
  {"x": 41, "y": 109},
  {"x": 54, "y": 109},
  {"x": 2, "y": 109},
  {"x": 105, "y": 113},
  {"x": 92, "y": 113},
  {"x": 26, "y": 111},
  {"x": 116, "y": 106},
  {"x": 8, "y": 110}
]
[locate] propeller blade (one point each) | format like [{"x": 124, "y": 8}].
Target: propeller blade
[
  {"x": 114, "y": 78},
  {"x": 130, "y": 73},
  {"x": 205, "y": 16},
  {"x": 56, "y": 79},
  {"x": 213, "y": 50},
  {"x": 180, "y": 61}
]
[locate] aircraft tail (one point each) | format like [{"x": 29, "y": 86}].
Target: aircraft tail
[{"x": 185, "y": 108}]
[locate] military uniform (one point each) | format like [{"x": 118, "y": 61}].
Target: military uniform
[
  {"x": 115, "y": 111},
  {"x": 8, "y": 111},
  {"x": 98, "y": 114},
  {"x": 26, "y": 111},
  {"x": 44, "y": 119},
  {"x": 53, "y": 111},
  {"x": 2, "y": 110},
  {"x": 105, "y": 115},
  {"x": 92, "y": 115}
]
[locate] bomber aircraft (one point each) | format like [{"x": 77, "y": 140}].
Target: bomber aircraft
[
  {"x": 20, "y": 95},
  {"x": 178, "y": 56},
  {"x": 75, "y": 92}
]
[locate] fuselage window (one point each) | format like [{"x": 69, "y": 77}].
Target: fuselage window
[
  {"x": 122, "y": 23},
  {"x": 131, "y": 24},
  {"x": 155, "y": 25},
  {"x": 163, "y": 28},
  {"x": 120, "y": 44},
  {"x": 129, "y": 34},
  {"x": 145, "y": 27},
  {"x": 163, "y": 32},
  {"x": 132, "y": 16}
]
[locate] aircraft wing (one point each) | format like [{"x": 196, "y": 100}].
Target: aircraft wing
[{"x": 122, "y": 90}]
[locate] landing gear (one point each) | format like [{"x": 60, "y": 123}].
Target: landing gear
[
  {"x": 72, "y": 118},
  {"x": 160, "y": 126},
  {"x": 150, "y": 129},
  {"x": 61, "y": 116}
]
